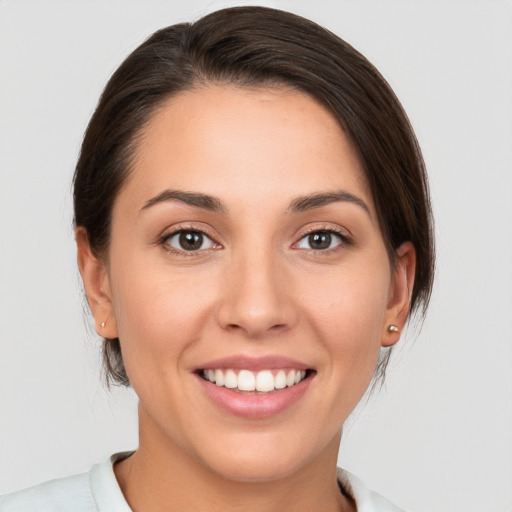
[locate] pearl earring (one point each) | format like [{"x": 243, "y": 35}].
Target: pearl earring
[{"x": 392, "y": 328}]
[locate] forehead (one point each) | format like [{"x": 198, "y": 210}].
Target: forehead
[{"x": 256, "y": 143}]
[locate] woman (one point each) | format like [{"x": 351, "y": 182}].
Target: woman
[{"x": 253, "y": 227}]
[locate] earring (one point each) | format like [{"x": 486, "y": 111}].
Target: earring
[
  {"x": 392, "y": 328},
  {"x": 103, "y": 324}
]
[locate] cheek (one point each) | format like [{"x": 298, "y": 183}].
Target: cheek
[
  {"x": 159, "y": 313},
  {"x": 348, "y": 308}
]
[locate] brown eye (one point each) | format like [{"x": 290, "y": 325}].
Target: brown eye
[
  {"x": 189, "y": 241},
  {"x": 320, "y": 240}
]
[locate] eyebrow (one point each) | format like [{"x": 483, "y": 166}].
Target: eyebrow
[
  {"x": 196, "y": 199},
  {"x": 309, "y": 202},
  {"x": 299, "y": 204}
]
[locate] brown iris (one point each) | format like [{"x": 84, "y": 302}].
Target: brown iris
[
  {"x": 191, "y": 240},
  {"x": 320, "y": 240}
]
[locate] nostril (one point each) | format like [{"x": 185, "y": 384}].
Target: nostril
[
  {"x": 253, "y": 330},
  {"x": 240, "y": 308}
]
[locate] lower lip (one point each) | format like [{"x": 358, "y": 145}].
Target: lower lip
[{"x": 255, "y": 405}]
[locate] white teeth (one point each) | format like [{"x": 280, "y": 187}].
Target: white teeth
[
  {"x": 263, "y": 381},
  {"x": 280, "y": 380},
  {"x": 230, "y": 379},
  {"x": 219, "y": 378},
  {"x": 246, "y": 381}
]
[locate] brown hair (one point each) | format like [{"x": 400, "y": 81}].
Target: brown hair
[{"x": 258, "y": 46}]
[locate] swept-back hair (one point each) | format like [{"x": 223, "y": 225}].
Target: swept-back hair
[{"x": 259, "y": 47}]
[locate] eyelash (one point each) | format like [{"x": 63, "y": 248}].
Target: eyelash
[
  {"x": 163, "y": 241},
  {"x": 345, "y": 240}
]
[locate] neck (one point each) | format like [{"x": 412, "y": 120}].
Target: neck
[{"x": 161, "y": 476}]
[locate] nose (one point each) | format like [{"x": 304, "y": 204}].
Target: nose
[{"x": 257, "y": 299}]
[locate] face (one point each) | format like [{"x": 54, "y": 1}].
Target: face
[{"x": 246, "y": 253}]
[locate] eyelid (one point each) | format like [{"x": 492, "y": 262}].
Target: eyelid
[
  {"x": 343, "y": 234},
  {"x": 174, "y": 230}
]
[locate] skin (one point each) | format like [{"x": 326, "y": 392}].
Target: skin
[{"x": 258, "y": 289}]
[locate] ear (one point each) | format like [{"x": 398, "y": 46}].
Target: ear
[
  {"x": 400, "y": 293},
  {"x": 97, "y": 286}
]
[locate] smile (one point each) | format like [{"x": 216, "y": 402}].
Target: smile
[
  {"x": 263, "y": 381},
  {"x": 255, "y": 388}
]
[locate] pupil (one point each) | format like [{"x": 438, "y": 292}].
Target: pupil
[
  {"x": 191, "y": 241},
  {"x": 321, "y": 240}
]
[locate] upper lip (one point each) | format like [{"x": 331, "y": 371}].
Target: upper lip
[{"x": 244, "y": 362}]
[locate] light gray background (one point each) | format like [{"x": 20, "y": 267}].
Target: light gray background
[{"x": 438, "y": 437}]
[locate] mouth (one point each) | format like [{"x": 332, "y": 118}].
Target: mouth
[
  {"x": 255, "y": 388},
  {"x": 252, "y": 387},
  {"x": 264, "y": 381}
]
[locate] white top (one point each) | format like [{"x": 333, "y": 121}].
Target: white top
[{"x": 98, "y": 491}]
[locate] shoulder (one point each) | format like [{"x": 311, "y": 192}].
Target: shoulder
[
  {"x": 366, "y": 500},
  {"x": 94, "y": 491},
  {"x": 71, "y": 493}
]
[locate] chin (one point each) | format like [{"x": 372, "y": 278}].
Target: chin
[
  {"x": 257, "y": 469},
  {"x": 267, "y": 459}
]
